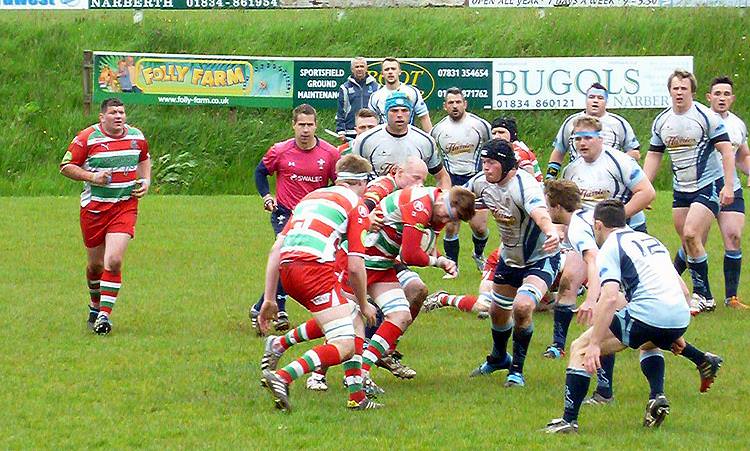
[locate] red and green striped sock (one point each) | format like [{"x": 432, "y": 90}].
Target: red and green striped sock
[
  {"x": 110, "y": 286},
  {"x": 385, "y": 337},
  {"x": 321, "y": 356},
  {"x": 304, "y": 332},
  {"x": 353, "y": 372},
  {"x": 93, "y": 280}
]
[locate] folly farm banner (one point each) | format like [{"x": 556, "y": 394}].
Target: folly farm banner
[{"x": 270, "y": 82}]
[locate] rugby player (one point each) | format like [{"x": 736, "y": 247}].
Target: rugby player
[
  {"x": 113, "y": 161},
  {"x": 459, "y": 137},
  {"x": 391, "y": 71},
  {"x": 616, "y": 131},
  {"x": 703, "y": 182},
  {"x": 529, "y": 259}
]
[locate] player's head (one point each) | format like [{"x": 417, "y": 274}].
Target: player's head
[
  {"x": 455, "y": 103},
  {"x": 411, "y": 172},
  {"x": 364, "y": 120},
  {"x": 682, "y": 85},
  {"x": 455, "y": 204},
  {"x": 391, "y": 70},
  {"x": 563, "y": 197},
  {"x": 359, "y": 68},
  {"x": 304, "y": 123},
  {"x": 398, "y": 109},
  {"x": 596, "y": 100},
  {"x": 112, "y": 116},
  {"x": 721, "y": 94},
  {"x": 608, "y": 215},
  {"x": 353, "y": 171},
  {"x": 505, "y": 128},
  {"x": 587, "y": 137},
  {"x": 498, "y": 160}
]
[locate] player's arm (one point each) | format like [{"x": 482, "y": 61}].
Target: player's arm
[
  {"x": 442, "y": 179},
  {"x": 263, "y": 187},
  {"x": 555, "y": 163},
  {"x": 643, "y": 194},
  {"x": 269, "y": 308},
  {"x": 413, "y": 255},
  {"x": 726, "y": 196},
  {"x": 634, "y": 153},
  {"x": 143, "y": 173},
  {"x": 603, "y": 314},
  {"x": 653, "y": 161},
  {"x": 425, "y": 123},
  {"x": 79, "y": 174},
  {"x": 541, "y": 217},
  {"x": 742, "y": 161},
  {"x": 586, "y": 310}
]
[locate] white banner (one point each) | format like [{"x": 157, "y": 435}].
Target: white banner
[
  {"x": 44, "y": 4},
  {"x": 607, "y": 3},
  {"x": 561, "y": 83}
]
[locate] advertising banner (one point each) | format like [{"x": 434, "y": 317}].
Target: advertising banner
[
  {"x": 560, "y": 83},
  {"x": 183, "y": 4},
  {"x": 193, "y": 80},
  {"x": 44, "y": 4},
  {"x": 606, "y": 3},
  {"x": 269, "y": 82}
]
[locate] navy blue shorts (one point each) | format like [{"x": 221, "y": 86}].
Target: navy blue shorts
[
  {"x": 738, "y": 205},
  {"x": 634, "y": 333},
  {"x": 279, "y": 218},
  {"x": 546, "y": 269},
  {"x": 459, "y": 180},
  {"x": 708, "y": 196},
  {"x": 640, "y": 228}
]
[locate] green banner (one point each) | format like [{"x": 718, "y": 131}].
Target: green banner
[
  {"x": 183, "y": 4},
  {"x": 191, "y": 80}
]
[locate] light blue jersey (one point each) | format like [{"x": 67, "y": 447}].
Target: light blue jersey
[
  {"x": 511, "y": 205},
  {"x": 689, "y": 139},
  {"x": 737, "y": 131},
  {"x": 580, "y": 234},
  {"x": 642, "y": 266},
  {"x": 613, "y": 175}
]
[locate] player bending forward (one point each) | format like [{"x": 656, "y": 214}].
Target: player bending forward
[{"x": 656, "y": 315}]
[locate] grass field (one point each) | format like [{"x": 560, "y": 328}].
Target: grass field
[
  {"x": 180, "y": 369},
  {"x": 42, "y": 96}
]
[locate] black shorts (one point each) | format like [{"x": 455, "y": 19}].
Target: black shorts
[
  {"x": 738, "y": 205},
  {"x": 459, "y": 180},
  {"x": 634, "y": 333},
  {"x": 708, "y": 196},
  {"x": 546, "y": 269}
]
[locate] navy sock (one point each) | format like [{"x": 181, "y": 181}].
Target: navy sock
[
  {"x": 699, "y": 273},
  {"x": 280, "y": 299},
  {"x": 451, "y": 247},
  {"x": 652, "y": 366},
  {"x": 521, "y": 340},
  {"x": 563, "y": 315},
  {"x": 500, "y": 336},
  {"x": 693, "y": 354},
  {"x": 479, "y": 243},
  {"x": 732, "y": 266},
  {"x": 679, "y": 261},
  {"x": 605, "y": 374},
  {"x": 370, "y": 330},
  {"x": 576, "y": 387}
]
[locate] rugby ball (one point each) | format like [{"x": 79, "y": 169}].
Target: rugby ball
[{"x": 429, "y": 240}]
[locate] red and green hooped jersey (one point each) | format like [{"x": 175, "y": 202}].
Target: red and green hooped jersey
[
  {"x": 321, "y": 221},
  {"x": 379, "y": 188},
  {"x": 93, "y": 150},
  {"x": 407, "y": 208}
]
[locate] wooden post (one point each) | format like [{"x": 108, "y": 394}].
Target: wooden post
[{"x": 88, "y": 66}]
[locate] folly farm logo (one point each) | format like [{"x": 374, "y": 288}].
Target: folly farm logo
[{"x": 411, "y": 74}]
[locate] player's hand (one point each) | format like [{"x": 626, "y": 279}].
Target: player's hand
[
  {"x": 585, "y": 313},
  {"x": 141, "y": 187},
  {"x": 377, "y": 218},
  {"x": 369, "y": 314},
  {"x": 101, "y": 178},
  {"x": 268, "y": 312},
  {"x": 269, "y": 203},
  {"x": 448, "y": 265},
  {"x": 591, "y": 360},
  {"x": 342, "y": 137},
  {"x": 726, "y": 196},
  {"x": 678, "y": 346},
  {"x": 552, "y": 243}
]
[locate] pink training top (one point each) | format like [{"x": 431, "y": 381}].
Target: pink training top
[{"x": 299, "y": 172}]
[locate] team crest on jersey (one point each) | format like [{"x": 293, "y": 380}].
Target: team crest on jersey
[
  {"x": 321, "y": 162},
  {"x": 133, "y": 144},
  {"x": 362, "y": 210},
  {"x": 418, "y": 205}
]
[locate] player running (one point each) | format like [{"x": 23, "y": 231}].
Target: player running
[
  {"x": 529, "y": 258},
  {"x": 703, "y": 182},
  {"x": 304, "y": 259},
  {"x": 113, "y": 161},
  {"x": 459, "y": 136},
  {"x": 656, "y": 315}
]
